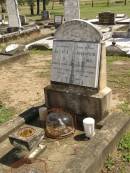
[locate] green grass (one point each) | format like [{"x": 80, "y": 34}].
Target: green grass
[
  {"x": 40, "y": 52},
  {"x": 111, "y": 59},
  {"x": 5, "y": 113},
  {"x": 117, "y": 163},
  {"x": 2, "y": 46},
  {"x": 109, "y": 163},
  {"x": 86, "y": 10},
  {"x": 125, "y": 107},
  {"x": 124, "y": 147}
]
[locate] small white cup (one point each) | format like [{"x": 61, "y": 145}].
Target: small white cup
[{"x": 89, "y": 127}]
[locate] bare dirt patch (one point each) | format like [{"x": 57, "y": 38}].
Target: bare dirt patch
[{"x": 22, "y": 82}]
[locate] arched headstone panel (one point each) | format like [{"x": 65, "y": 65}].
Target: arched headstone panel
[
  {"x": 77, "y": 54},
  {"x": 78, "y": 30}
]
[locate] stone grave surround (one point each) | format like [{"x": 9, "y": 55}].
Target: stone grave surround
[
  {"x": 13, "y": 14},
  {"x": 78, "y": 74},
  {"x": 71, "y": 10}
]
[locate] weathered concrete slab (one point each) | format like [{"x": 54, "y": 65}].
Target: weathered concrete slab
[
  {"x": 76, "y": 154},
  {"x": 14, "y": 35},
  {"x": 45, "y": 42},
  {"x": 91, "y": 157}
]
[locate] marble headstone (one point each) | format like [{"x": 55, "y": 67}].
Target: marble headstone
[
  {"x": 78, "y": 74},
  {"x": 13, "y": 14},
  {"x": 71, "y": 10},
  {"x": 76, "y": 59}
]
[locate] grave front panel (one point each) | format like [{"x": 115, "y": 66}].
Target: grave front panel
[{"x": 76, "y": 63}]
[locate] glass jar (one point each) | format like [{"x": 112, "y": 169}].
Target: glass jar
[{"x": 59, "y": 124}]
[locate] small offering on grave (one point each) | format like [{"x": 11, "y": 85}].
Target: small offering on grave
[
  {"x": 89, "y": 127},
  {"x": 59, "y": 124}
]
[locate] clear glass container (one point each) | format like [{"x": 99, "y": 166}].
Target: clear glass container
[{"x": 59, "y": 124}]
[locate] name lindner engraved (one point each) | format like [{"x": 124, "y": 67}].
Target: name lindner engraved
[{"x": 76, "y": 63}]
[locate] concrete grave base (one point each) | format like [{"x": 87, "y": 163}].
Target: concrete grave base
[
  {"x": 72, "y": 154},
  {"x": 80, "y": 101}
]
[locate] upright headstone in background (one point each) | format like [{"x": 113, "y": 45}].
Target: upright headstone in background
[
  {"x": 13, "y": 14},
  {"x": 71, "y": 10},
  {"x": 0, "y": 18},
  {"x": 23, "y": 20},
  {"x": 78, "y": 80},
  {"x": 106, "y": 18},
  {"x": 58, "y": 20}
]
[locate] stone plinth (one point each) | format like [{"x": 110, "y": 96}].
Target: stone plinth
[{"x": 79, "y": 101}]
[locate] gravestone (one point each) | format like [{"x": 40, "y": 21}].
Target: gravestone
[
  {"x": 71, "y": 10},
  {"x": 45, "y": 15},
  {"x": 0, "y": 18},
  {"x": 58, "y": 20},
  {"x": 13, "y": 14},
  {"x": 23, "y": 20},
  {"x": 106, "y": 18},
  {"x": 78, "y": 74}
]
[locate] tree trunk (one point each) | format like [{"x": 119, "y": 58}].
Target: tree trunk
[
  {"x": 3, "y": 10},
  {"x": 44, "y": 5},
  {"x": 38, "y": 7},
  {"x": 108, "y": 3},
  {"x": 32, "y": 10},
  {"x": 53, "y": 4}
]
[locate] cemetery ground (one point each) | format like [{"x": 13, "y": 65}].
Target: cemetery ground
[
  {"x": 87, "y": 12},
  {"x": 22, "y": 83}
]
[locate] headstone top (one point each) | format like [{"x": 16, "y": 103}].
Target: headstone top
[
  {"x": 76, "y": 54},
  {"x": 71, "y": 10},
  {"x": 78, "y": 30},
  {"x": 13, "y": 14}
]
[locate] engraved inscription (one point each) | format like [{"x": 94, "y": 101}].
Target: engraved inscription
[{"x": 76, "y": 63}]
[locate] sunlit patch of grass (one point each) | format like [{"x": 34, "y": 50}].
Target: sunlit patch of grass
[
  {"x": 109, "y": 163},
  {"x": 111, "y": 59},
  {"x": 124, "y": 147},
  {"x": 40, "y": 52},
  {"x": 125, "y": 107},
  {"x": 5, "y": 113}
]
